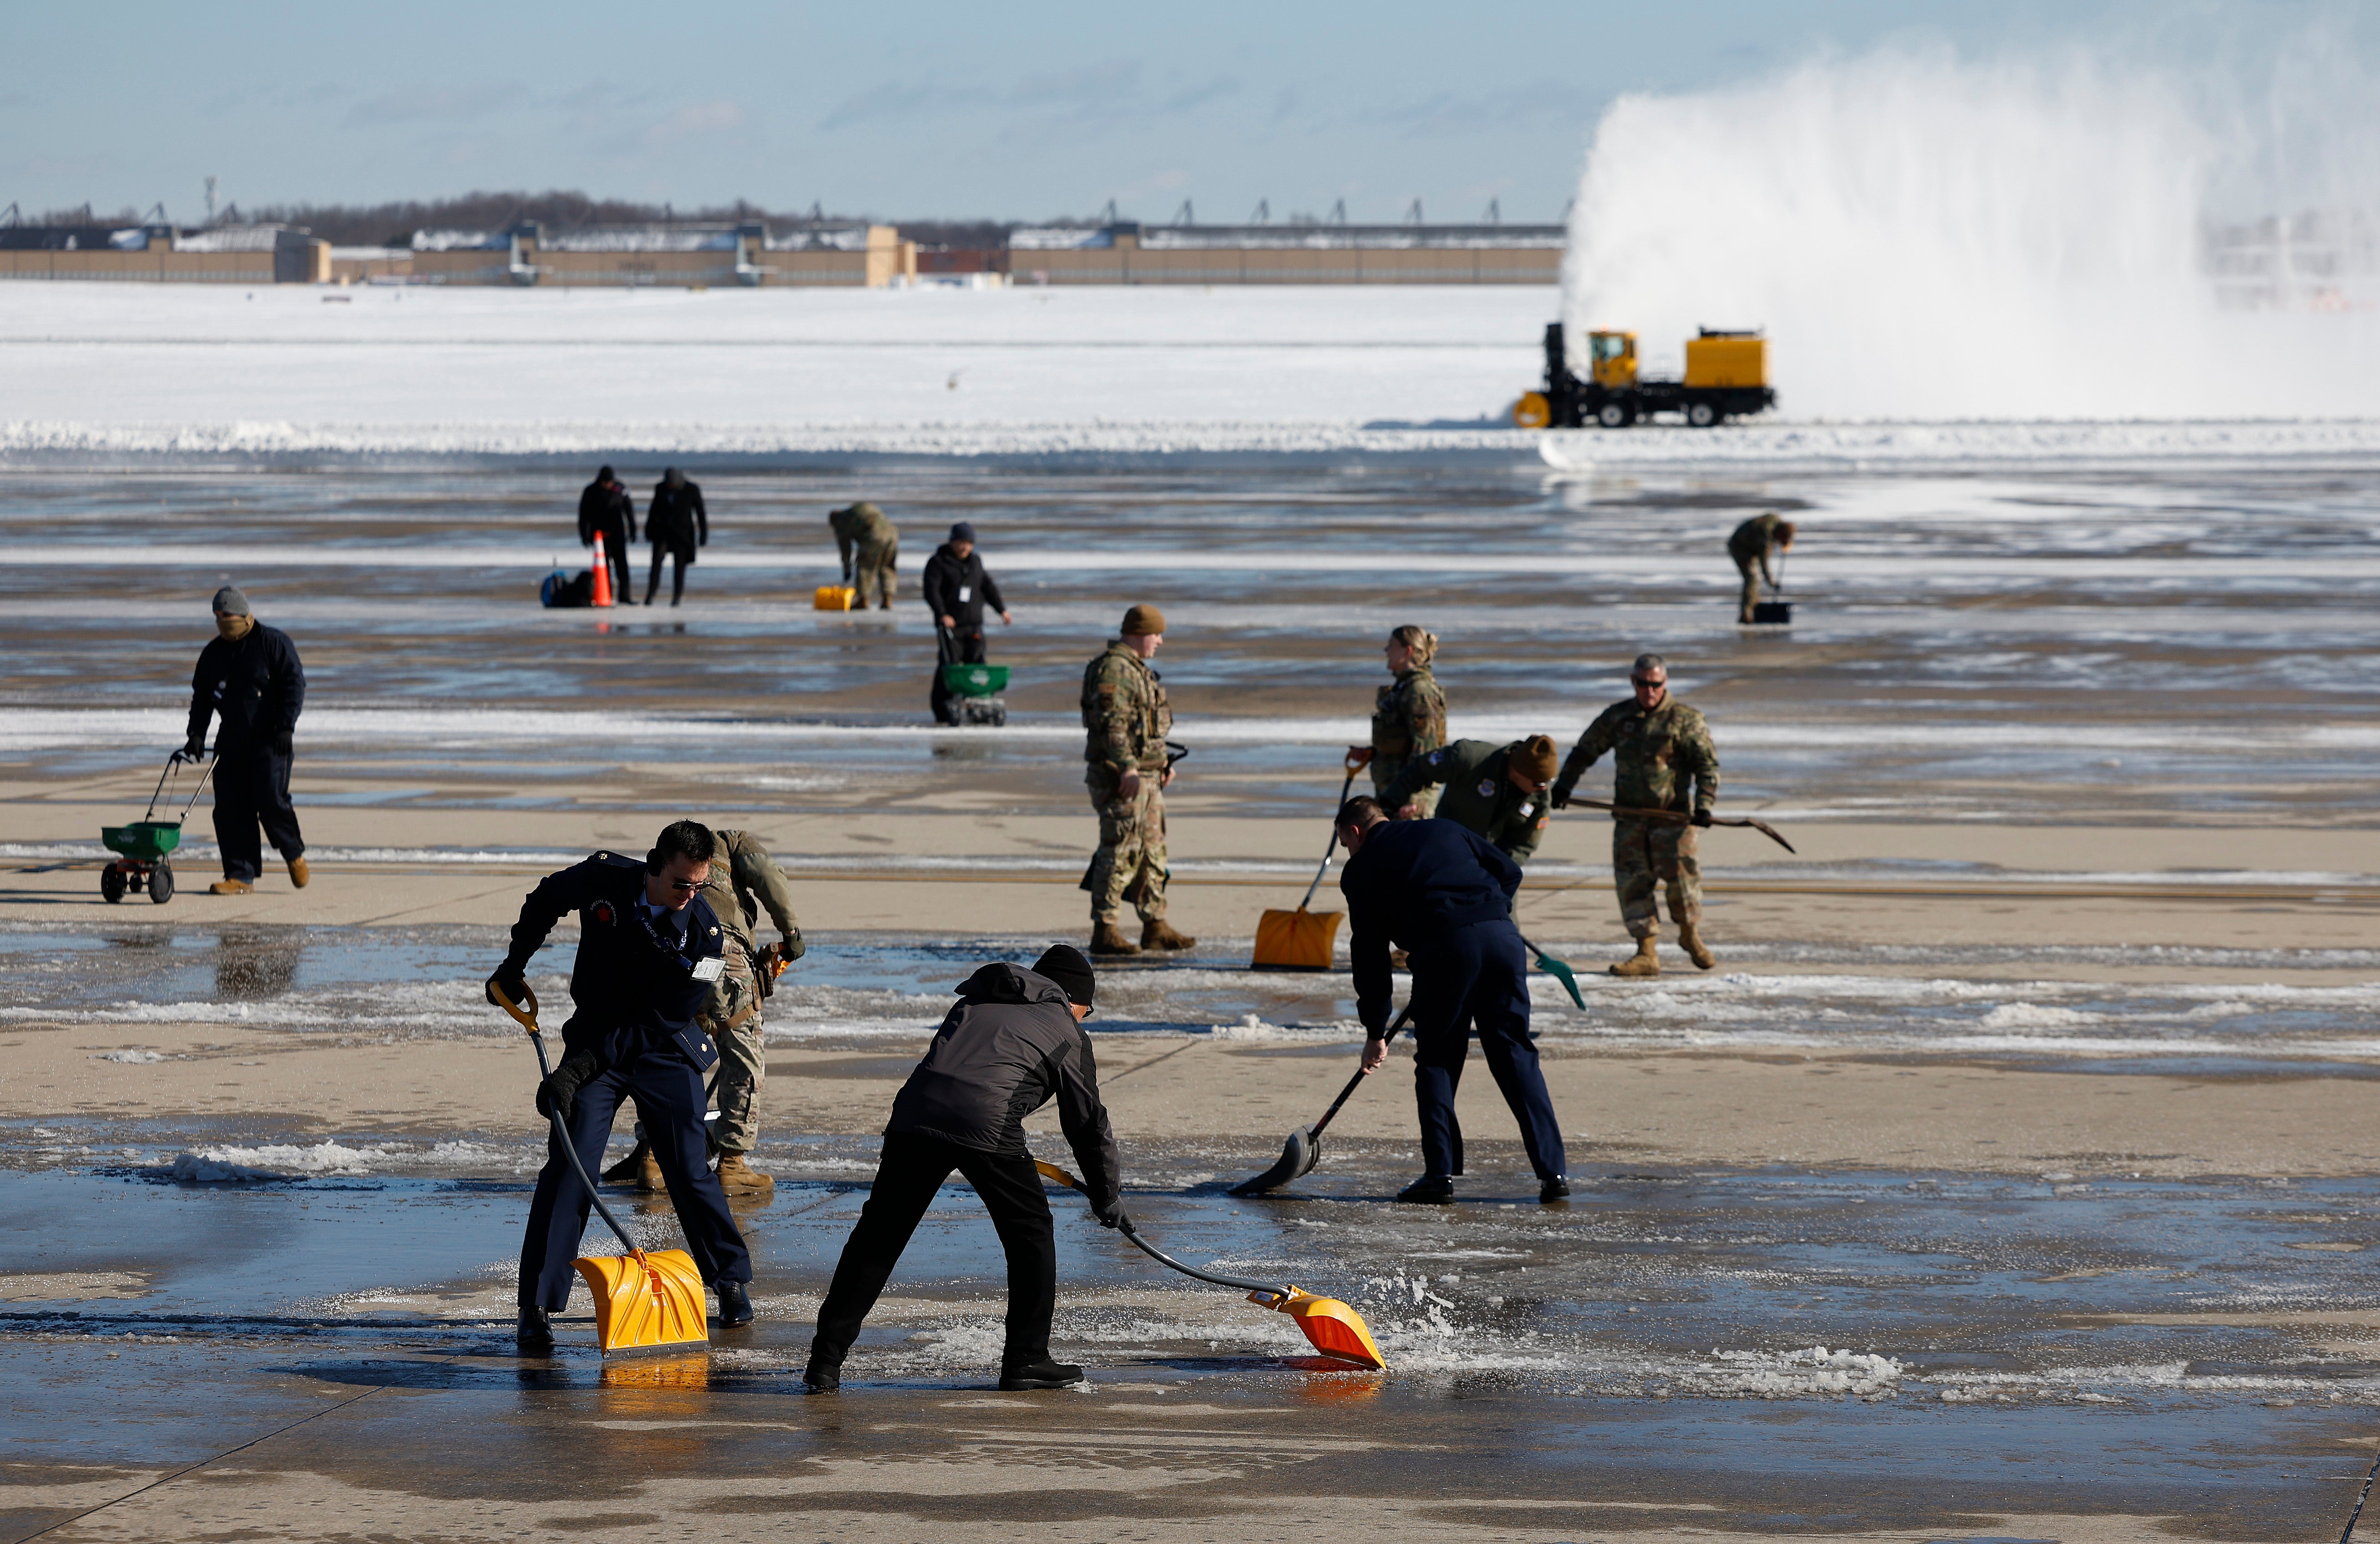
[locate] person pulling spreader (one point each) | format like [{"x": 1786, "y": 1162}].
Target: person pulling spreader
[{"x": 649, "y": 949}]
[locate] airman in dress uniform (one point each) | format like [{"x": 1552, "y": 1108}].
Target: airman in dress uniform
[
  {"x": 1125, "y": 721},
  {"x": 1665, "y": 760}
]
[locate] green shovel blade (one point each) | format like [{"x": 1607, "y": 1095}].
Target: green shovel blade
[{"x": 1565, "y": 974}]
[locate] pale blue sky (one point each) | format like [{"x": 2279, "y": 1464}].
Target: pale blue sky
[{"x": 1008, "y": 110}]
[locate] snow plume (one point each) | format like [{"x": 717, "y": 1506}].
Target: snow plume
[{"x": 1925, "y": 236}]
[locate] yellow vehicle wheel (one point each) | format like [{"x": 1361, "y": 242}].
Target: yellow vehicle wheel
[{"x": 1533, "y": 411}]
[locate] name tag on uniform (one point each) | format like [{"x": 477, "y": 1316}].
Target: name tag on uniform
[
  {"x": 1527, "y": 810},
  {"x": 710, "y": 969},
  {"x": 966, "y": 591}
]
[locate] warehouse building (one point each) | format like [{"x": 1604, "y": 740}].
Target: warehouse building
[
  {"x": 165, "y": 254},
  {"x": 1129, "y": 253},
  {"x": 678, "y": 255}
]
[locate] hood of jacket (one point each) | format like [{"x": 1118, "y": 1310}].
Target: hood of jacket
[{"x": 1010, "y": 983}]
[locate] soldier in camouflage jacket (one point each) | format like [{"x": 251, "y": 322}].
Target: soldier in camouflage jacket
[
  {"x": 1125, "y": 721},
  {"x": 1666, "y": 762},
  {"x": 1408, "y": 716}
]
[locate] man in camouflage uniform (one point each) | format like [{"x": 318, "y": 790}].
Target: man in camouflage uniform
[
  {"x": 869, "y": 544},
  {"x": 1125, "y": 720},
  {"x": 1663, "y": 745},
  {"x": 1408, "y": 717},
  {"x": 745, "y": 880},
  {"x": 1750, "y": 546},
  {"x": 1498, "y": 791}
]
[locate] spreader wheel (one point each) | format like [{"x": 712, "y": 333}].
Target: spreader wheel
[
  {"x": 111, "y": 884},
  {"x": 160, "y": 883}
]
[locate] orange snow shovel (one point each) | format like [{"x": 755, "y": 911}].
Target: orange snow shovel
[
  {"x": 1336, "y": 1330},
  {"x": 646, "y": 1297},
  {"x": 1299, "y": 940}
]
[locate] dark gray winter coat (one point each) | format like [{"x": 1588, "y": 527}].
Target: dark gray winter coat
[{"x": 1009, "y": 1047}]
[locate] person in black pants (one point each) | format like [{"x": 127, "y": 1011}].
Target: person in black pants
[
  {"x": 250, "y": 677},
  {"x": 649, "y": 949},
  {"x": 1444, "y": 893},
  {"x": 957, "y": 589},
  {"x": 676, "y": 523},
  {"x": 605, "y": 507},
  {"x": 1013, "y": 1042}
]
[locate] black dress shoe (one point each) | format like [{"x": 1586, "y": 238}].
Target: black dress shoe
[
  {"x": 1428, "y": 1190},
  {"x": 735, "y": 1305},
  {"x": 1043, "y": 1374},
  {"x": 1554, "y": 1189},
  {"x": 535, "y": 1335}
]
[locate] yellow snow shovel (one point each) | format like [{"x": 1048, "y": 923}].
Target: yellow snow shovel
[
  {"x": 646, "y": 1297},
  {"x": 1299, "y": 940},
  {"x": 1336, "y": 1330}
]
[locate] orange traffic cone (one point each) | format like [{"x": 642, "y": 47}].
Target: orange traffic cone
[{"x": 602, "y": 574}]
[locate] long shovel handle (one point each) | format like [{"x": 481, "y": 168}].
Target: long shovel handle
[
  {"x": 1332, "y": 846},
  {"x": 527, "y": 1018},
  {"x": 1356, "y": 1082},
  {"x": 1672, "y": 816},
  {"x": 1051, "y": 1172}
]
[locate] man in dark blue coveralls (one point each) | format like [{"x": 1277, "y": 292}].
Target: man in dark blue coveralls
[
  {"x": 649, "y": 949},
  {"x": 1444, "y": 894},
  {"x": 250, "y": 681}
]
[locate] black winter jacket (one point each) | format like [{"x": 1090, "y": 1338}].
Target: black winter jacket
[
  {"x": 1414, "y": 883},
  {"x": 257, "y": 686},
  {"x": 676, "y": 518},
  {"x": 606, "y": 507},
  {"x": 633, "y": 982},
  {"x": 1009, "y": 1046},
  {"x": 947, "y": 575}
]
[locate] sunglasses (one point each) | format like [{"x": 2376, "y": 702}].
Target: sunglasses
[{"x": 684, "y": 887}]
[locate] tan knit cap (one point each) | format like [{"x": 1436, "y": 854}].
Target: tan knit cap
[
  {"x": 1142, "y": 621},
  {"x": 1535, "y": 759}
]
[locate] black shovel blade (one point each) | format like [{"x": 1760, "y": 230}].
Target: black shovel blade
[{"x": 1298, "y": 1156}]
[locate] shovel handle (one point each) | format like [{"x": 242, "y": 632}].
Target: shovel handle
[
  {"x": 1332, "y": 846},
  {"x": 1356, "y": 1082},
  {"x": 1279, "y": 1294},
  {"x": 562, "y": 1133}
]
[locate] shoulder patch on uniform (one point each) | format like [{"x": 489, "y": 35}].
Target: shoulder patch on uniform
[
  {"x": 1486, "y": 787},
  {"x": 618, "y": 861}
]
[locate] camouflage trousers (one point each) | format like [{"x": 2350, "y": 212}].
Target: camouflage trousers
[
  {"x": 1130, "y": 864},
  {"x": 1646, "y": 851},
  {"x": 1751, "y": 594},
  {"x": 873, "y": 566},
  {"x": 743, "y": 1065},
  {"x": 1384, "y": 771}
]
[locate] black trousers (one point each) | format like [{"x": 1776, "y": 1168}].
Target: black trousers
[
  {"x": 1477, "y": 976},
  {"x": 912, "y": 1168},
  {"x": 252, "y": 790},
  {"x": 670, "y": 1097},
  {"x": 679, "y": 558},
  {"x": 963, "y": 646}
]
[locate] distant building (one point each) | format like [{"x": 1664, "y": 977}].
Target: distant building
[
  {"x": 2323, "y": 260},
  {"x": 164, "y": 253},
  {"x": 678, "y": 255},
  {"x": 1286, "y": 254}
]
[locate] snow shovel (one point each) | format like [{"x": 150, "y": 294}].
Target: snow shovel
[
  {"x": 1558, "y": 972},
  {"x": 1336, "y": 1330},
  {"x": 1303, "y": 1148},
  {"x": 647, "y": 1297},
  {"x": 1679, "y": 817},
  {"x": 1299, "y": 940}
]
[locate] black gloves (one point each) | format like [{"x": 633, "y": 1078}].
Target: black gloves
[
  {"x": 1112, "y": 1215},
  {"x": 194, "y": 751},
  {"x": 513, "y": 985},
  {"x": 281, "y": 742},
  {"x": 793, "y": 948},
  {"x": 1559, "y": 798},
  {"x": 559, "y": 1092},
  {"x": 1703, "y": 819}
]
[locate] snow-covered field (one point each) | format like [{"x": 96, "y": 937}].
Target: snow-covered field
[{"x": 114, "y": 374}]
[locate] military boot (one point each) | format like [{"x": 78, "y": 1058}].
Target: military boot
[
  {"x": 1159, "y": 934},
  {"x": 228, "y": 886},
  {"x": 739, "y": 1178},
  {"x": 1108, "y": 939},
  {"x": 1647, "y": 960},
  {"x": 298, "y": 872},
  {"x": 627, "y": 1168},
  {"x": 649, "y": 1175},
  {"x": 1696, "y": 950}
]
